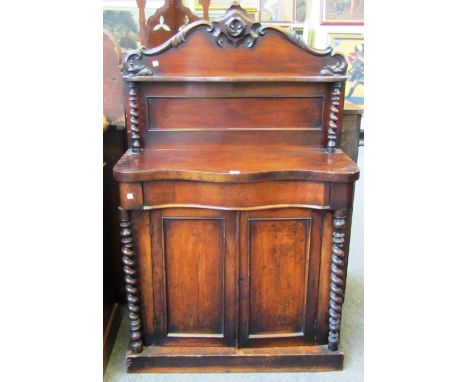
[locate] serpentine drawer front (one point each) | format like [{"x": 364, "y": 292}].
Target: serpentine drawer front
[
  {"x": 232, "y": 196},
  {"x": 235, "y": 201}
]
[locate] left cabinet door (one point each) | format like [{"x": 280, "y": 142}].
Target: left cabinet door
[{"x": 194, "y": 272}]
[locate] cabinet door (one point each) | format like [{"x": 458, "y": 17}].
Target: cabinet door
[
  {"x": 279, "y": 271},
  {"x": 194, "y": 277}
]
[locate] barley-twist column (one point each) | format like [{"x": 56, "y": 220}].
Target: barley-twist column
[
  {"x": 131, "y": 283},
  {"x": 336, "y": 279}
]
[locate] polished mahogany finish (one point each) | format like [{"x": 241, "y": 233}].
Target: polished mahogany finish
[
  {"x": 227, "y": 166},
  {"x": 235, "y": 200}
]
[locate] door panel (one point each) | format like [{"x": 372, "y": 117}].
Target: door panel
[
  {"x": 277, "y": 248},
  {"x": 196, "y": 251},
  {"x": 194, "y": 256},
  {"x": 280, "y": 258}
]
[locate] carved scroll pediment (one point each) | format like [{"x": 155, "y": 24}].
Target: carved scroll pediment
[{"x": 235, "y": 28}]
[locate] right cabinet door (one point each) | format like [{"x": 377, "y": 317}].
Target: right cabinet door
[{"x": 279, "y": 276}]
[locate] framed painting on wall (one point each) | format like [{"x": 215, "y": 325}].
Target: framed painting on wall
[
  {"x": 298, "y": 31},
  {"x": 351, "y": 46},
  {"x": 217, "y": 8},
  {"x": 283, "y": 11},
  {"x": 338, "y": 12},
  {"x": 301, "y": 10},
  {"x": 277, "y": 11},
  {"x": 123, "y": 23}
]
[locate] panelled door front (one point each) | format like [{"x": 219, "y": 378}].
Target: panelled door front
[
  {"x": 194, "y": 277},
  {"x": 279, "y": 264}
]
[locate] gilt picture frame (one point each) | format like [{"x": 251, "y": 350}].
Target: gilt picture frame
[
  {"x": 342, "y": 12},
  {"x": 218, "y": 8},
  {"x": 351, "y": 46}
]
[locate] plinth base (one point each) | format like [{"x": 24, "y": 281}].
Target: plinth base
[{"x": 158, "y": 359}]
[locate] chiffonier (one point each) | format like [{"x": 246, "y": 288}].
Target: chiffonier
[{"x": 235, "y": 201}]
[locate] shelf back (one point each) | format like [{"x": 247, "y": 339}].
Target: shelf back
[{"x": 233, "y": 82}]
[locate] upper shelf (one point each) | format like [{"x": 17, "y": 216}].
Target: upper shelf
[{"x": 231, "y": 165}]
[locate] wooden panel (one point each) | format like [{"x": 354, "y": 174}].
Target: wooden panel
[
  {"x": 324, "y": 287},
  {"x": 235, "y": 113},
  {"x": 280, "y": 254},
  {"x": 195, "y": 249},
  {"x": 201, "y": 56},
  {"x": 181, "y": 115},
  {"x": 238, "y": 139},
  {"x": 277, "y": 248},
  {"x": 194, "y": 254},
  {"x": 142, "y": 245},
  {"x": 131, "y": 195},
  {"x": 232, "y": 89},
  {"x": 235, "y": 196},
  {"x": 341, "y": 195}
]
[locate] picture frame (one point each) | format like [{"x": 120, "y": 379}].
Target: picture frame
[
  {"x": 218, "y": 8},
  {"x": 342, "y": 12},
  {"x": 300, "y": 10},
  {"x": 298, "y": 30},
  {"x": 287, "y": 11},
  {"x": 277, "y": 11},
  {"x": 351, "y": 46},
  {"x": 123, "y": 23}
]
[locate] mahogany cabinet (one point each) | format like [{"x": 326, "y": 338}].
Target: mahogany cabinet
[{"x": 235, "y": 201}]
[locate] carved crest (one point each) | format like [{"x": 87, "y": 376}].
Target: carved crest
[{"x": 236, "y": 27}]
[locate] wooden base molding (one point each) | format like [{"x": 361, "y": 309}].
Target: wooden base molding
[{"x": 221, "y": 359}]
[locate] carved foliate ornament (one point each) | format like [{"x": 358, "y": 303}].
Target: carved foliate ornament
[
  {"x": 235, "y": 27},
  {"x": 132, "y": 67},
  {"x": 336, "y": 69}
]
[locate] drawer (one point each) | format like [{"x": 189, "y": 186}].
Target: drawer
[{"x": 235, "y": 196}]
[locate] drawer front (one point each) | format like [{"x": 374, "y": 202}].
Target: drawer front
[{"x": 229, "y": 196}]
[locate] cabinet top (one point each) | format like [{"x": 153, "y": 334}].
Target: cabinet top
[{"x": 235, "y": 165}]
